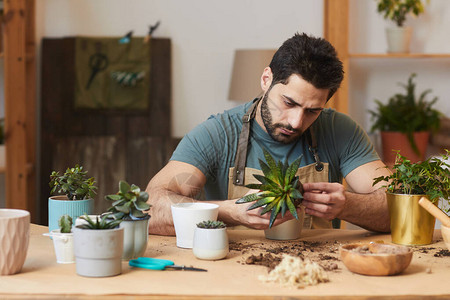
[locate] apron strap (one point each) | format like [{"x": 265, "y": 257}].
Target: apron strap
[
  {"x": 241, "y": 154},
  {"x": 313, "y": 148}
]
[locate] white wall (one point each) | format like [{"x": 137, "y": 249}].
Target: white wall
[{"x": 204, "y": 35}]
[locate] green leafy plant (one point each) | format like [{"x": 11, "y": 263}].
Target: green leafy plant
[
  {"x": 279, "y": 189},
  {"x": 99, "y": 223},
  {"x": 65, "y": 224},
  {"x": 74, "y": 183},
  {"x": 211, "y": 224},
  {"x": 404, "y": 113},
  {"x": 398, "y": 10},
  {"x": 429, "y": 177},
  {"x": 130, "y": 203}
]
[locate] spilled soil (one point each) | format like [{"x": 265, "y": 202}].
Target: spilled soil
[{"x": 270, "y": 254}]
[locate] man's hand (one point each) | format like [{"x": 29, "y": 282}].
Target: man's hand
[
  {"x": 253, "y": 218},
  {"x": 323, "y": 199}
]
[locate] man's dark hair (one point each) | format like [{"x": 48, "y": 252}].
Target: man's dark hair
[{"x": 314, "y": 59}]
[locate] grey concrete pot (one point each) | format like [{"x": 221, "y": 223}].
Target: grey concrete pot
[{"x": 98, "y": 253}]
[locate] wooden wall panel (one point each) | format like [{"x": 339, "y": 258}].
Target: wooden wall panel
[{"x": 111, "y": 145}]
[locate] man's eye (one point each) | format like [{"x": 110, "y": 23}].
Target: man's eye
[
  {"x": 288, "y": 103},
  {"x": 313, "y": 111}
]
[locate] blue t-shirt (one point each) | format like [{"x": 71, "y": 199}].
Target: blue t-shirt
[{"x": 211, "y": 147}]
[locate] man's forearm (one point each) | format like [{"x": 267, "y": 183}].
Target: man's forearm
[{"x": 369, "y": 211}]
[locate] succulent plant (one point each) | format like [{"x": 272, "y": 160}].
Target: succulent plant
[
  {"x": 65, "y": 224},
  {"x": 73, "y": 183},
  {"x": 129, "y": 203},
  {"x": 279, "y": 189},
  {"x": 211, "y": 224},
  {"x": 99, "y": 223}
]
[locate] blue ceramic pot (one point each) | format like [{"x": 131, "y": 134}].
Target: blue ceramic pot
[{"x": 59, "y": 205}]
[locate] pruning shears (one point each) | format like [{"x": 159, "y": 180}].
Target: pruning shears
[{"x": 159, "y": 264}]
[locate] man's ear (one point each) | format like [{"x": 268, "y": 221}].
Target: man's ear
[{"x": 266, "y": 79}]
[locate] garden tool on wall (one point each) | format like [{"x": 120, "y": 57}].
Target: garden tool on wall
[
  {"x": 97, "y": 62},
  {"x": 126, "y": 39},
  {"x": 151, "y": 29}
]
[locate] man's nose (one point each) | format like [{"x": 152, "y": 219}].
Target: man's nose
[{"x": 296, "y": 119}]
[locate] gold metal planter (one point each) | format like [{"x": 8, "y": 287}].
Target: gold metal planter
[{"x": 411, "y": 224}]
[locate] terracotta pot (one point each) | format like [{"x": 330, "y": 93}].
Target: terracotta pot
[{"x": 399, "y": 141}]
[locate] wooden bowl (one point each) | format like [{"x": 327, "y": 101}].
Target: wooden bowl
[{"x": 375, "y": 259}]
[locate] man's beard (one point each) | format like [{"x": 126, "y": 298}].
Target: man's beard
[{"x": 266, "y": 116}]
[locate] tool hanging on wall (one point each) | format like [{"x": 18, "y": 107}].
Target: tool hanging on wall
[
  {"x": 126, "y": 39},
  {"x": 97, "y": 62},
  {"x": 151, "y": 29}
]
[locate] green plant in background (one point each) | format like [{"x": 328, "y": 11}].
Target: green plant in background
[
  {"x": 398, "y": 10},
  {"x": 99, "y": 223},
  {"x": 130, "y": 203},
  {"x": 73, "y": 183},
  {"x": 406, "y": 114},
  {"x": 429, "y": 177},
  {"x": 65, "y": 224},
  {"x": 211, "y": 224},
  {"x": 279, "y": 188}
]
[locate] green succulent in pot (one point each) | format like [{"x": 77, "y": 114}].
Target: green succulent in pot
[
  {"x": 99, "y": 223},
  {"x": 74, "y": 183},
  {"x": 130, "y": 203},
  {"x": 65, "y": 224},
  {"x": 280, "y": 190},
  {"x": 211, "y": 224}
]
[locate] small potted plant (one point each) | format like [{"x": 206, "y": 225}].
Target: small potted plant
[
  {"x": 63, "y": 240},
  {"x": 279, "y": 192},
  {"x": 130, "y": 206},
  {"x": 76, "y": 192},
  {"x": 210, "y": 240},
  {"x": 405, "y": 123},
  {"x": 410, "y": 223},
  {"x": 98, "y": 247},
  {"x": 399, "y": 36}
]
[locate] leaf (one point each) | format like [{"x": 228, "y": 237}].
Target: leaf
[
  {"x": 292, "y": 207},
  {"x": 274, "y": 213},
  {"x": 113, "y": 197},
  {"x": 261, "y": 202},
  {"x": 248, "y": 198},
  {"x": 141, "y": 205},
  {"x": 124, "y": 187}
]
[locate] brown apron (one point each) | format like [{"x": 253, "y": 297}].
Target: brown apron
[{"x": 239, "y": 175}]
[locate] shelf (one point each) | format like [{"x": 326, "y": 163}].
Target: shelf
[{"x": 399, "y": 55}]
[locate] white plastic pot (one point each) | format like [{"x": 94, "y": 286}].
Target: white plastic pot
[
  {"x": 63, "y": 244},
  {"x": 135, "y": 238}
]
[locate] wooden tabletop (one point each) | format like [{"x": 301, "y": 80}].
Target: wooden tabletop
[{"x": 231, "y": 278}]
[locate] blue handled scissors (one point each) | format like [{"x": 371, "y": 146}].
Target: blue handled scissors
[{"x": 159, "y": 264}]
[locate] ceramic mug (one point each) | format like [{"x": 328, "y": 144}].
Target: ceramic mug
[
  {"x": 14, "y": 239},
  {"x": 187, "y": 215}
]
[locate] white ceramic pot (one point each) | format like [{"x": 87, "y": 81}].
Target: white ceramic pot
[
  {"x": 187, "y": 215},
  {"x": 135, "y": 238},
  {"x": 63, "y": 244},
  {"x": 98, "y": 252},
  {"x": 289, "y": 230},
  {"x": 398, "y": 39},
  {"x": 210, "y": 244},
  {"x": 14, "y": 239}
]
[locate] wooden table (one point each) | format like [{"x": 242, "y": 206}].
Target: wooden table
[{"x": 427, "y": 276}]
